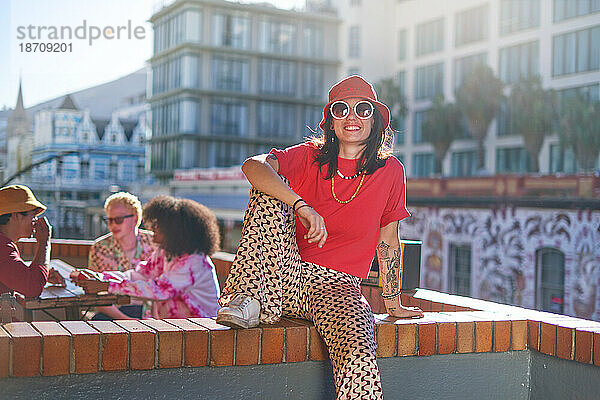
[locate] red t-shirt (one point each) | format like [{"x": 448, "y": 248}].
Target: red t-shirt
[
  {"x": 353, "y": 228},
  {"x": 15, "y": 275}
]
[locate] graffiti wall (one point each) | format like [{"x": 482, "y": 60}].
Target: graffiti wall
[{"x": 504, "y": 247}]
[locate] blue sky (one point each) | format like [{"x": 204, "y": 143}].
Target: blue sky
[{"x": 48, "y": 75}]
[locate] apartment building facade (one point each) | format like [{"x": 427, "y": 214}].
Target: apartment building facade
[
  {"x": 429, "y": 46},
  {"x": 232, "y": 80}
]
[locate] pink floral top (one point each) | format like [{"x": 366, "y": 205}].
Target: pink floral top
[
  {"x": 181, "y": 287},
  {"x": 106, "y": 254}
]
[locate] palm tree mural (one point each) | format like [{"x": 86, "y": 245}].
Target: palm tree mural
[
  {"x": 479, "y": 97},
  {"x": 442, "y": 125},
  {"x": 533, "y": 115},
  {"x": 580, "y": 130}
]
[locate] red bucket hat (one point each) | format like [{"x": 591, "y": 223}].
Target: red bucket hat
[{"x": 355, "y": 86}]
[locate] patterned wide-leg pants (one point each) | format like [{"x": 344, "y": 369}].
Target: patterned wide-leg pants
[{"x": 268, "y": 268}]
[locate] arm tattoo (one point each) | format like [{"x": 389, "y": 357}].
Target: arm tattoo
[
  {"x": 271, "y": 157},
  {"x": 389, "y": 267},
  {"x": 382, "y": 249},
  {"x": 394, "y": 270}
]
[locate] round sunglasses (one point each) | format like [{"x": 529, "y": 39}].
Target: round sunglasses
[
  {"x": 116, "y": 220},
  {"x": 340, "y": 109}
]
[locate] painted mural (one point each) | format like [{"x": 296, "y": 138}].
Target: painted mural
[{"x": 506, "y": 246}]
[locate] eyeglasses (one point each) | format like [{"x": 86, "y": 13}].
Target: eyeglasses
[
  {"x": 116, "y": 220},
  {"x": 340, "y": 109}
]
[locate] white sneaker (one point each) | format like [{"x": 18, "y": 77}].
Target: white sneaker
[{"x": 242, "y": 312}]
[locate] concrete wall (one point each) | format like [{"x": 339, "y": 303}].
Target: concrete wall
[
  {"x": 470, "y": 376},
  {"x": 510, "y": 375}
]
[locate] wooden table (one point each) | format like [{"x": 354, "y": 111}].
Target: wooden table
[{"x": 71, "y": 298}]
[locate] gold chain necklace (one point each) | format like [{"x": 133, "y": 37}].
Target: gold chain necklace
[{"x": 352, "y": 197}]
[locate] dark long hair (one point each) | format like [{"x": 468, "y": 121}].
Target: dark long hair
[
  {"x": 377, "y": 147},
  {"x": 187, "y": 226}
]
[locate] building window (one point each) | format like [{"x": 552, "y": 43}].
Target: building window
[
  {"x": 460, "y": 270},
  {"x": 277, "y": 37},
  {"x": 463, "y": 163},
  {"x": 70, "y": 168},
  {"x": 231, "y": 31},
  {"x": 464, "y": 65},
  {"x": 190, "y": 71},
  {"x": 519, "y": 62},
  {"x": 100, "y": 169},
  {"x": 189, "y": 118},
  {"x": 112, "y": 171},
  {"x": 193, "y": 26},
  {"x": 157, "y": 156},
  {"x": 173, "y": 154},
  {"x": 355, "y": 3},
  {"x": 127, "y": 171},
  {"x": 84, "y": 169},
  {"x": 230, "y": 74},
  {"x": 430, "y": 37},
  {"x": 402, "y": 42},
  {"x": 589, "y": 92},
  {"x": 166, "y": 118},
  {"x": 312, "y": 81},
  {"x": 354, "y": 42},
  {"x": 419, "y": 118},
  {"x": 399, "y": 134},
  {"x": 312, "y": 117},
  {"x": 276, "y": 119},
  {"x": 576, "y": 52},
  {"x": 516, "y": 15},
  {"x": 471, "y": 26},
  {"x": 564, "y": 9},
  {"x": 229, "y": 118},
  {"x": 512, "y": 160},
  {"x": 505, "y": 124},
  {"x": 277, "y": 77},
  {"x": 166, "y": 75},
  {"x": 140, "y": 170},
  {"x": 184, "y": 26},
  {"x": 550, "y": 280},
  {"x": 227, "y": 154},
  {"x": 423, "y": 164},
  {"x": 401, "y": 81},
  {"x": 429, "y": 81},
  {"x": 313, "y": 41},
  {"x": 562, "y": 160}
]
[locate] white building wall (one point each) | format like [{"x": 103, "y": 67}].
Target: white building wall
[
  {"x": 43, "y": 127},
  {"x": 380, "y": 22}
]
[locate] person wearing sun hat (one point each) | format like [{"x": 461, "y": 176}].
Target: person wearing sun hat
[
  {"x": 318, "y": 212},
  {"x": 19, "y": 212}
]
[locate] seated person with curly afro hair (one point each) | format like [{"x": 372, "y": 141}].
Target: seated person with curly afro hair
[{"x": 179, "y": 277}]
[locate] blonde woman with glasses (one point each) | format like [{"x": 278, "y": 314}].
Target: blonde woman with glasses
[{"x": 122, "y": 248}]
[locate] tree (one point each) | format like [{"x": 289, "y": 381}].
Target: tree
[
  {"x": 479, "y": 98},
  {"x": 580, "y": 129},
  {"x": 442, "y": 125},
  {"x": 389, "y": 93},
  {"x": 31, "y": 166},
  {"x": 532, "y": 114}
]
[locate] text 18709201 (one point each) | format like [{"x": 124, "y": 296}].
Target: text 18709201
[{"x": 41, "y": 47}]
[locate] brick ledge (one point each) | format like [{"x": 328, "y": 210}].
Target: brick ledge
[{"x": 75, "y": 347}]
